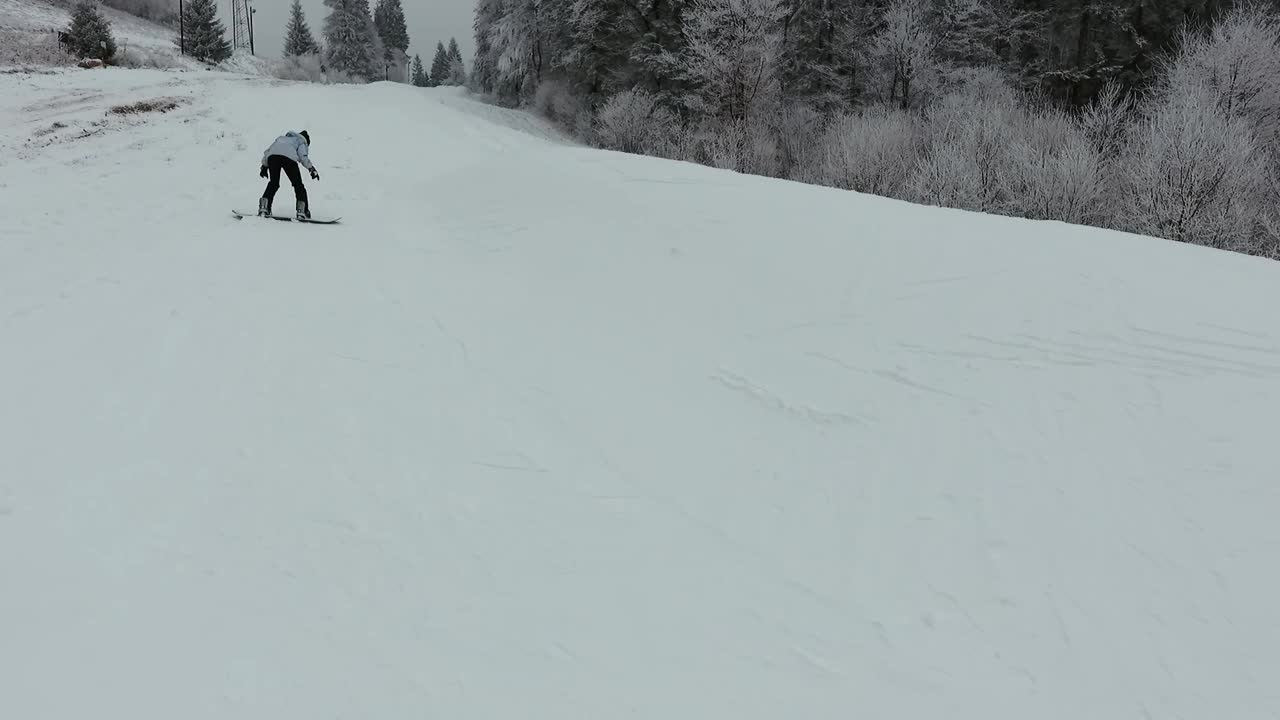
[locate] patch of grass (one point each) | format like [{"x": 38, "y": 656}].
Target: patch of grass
[{"x": 24, "y": 51}]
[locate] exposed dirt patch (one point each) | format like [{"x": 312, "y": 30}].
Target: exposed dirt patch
[
  {"x": 160, "y": 105},
  {"x": 51, "y": 129}
]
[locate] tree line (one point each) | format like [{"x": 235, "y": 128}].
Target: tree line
[
  {"x": 89, "y": 34},
  {"x": 361, "y": 45},
  {"x": 1152, "y": 116}
]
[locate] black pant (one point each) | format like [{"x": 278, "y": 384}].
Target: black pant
[{"x": 275, "y": 164}]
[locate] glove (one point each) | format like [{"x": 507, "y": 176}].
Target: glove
[
  {"x": 314, "y": 175},
  {"x": 262, "y": 171}
]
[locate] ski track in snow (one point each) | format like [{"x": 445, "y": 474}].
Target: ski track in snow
[{"x": 544, "y": 431}]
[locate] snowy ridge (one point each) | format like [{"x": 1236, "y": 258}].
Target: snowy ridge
[{"x": 541, "y": 431}]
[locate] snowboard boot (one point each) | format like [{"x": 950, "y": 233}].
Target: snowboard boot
[
  {"x": 304, "y": 213},
  {"x": 264, "y": 207}
]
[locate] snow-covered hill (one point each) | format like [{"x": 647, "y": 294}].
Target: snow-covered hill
[
  {"x": 139, "y": 43},
  {"x": 545, "y": 432},
  {"x": 42, "y": 16}
]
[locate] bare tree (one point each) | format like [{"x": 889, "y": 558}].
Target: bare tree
[
  {"x": 732, "y": 56},
  {"x": 906, "y": 46}
]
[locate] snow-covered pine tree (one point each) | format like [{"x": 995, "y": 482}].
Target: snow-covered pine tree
[
  {"x": 440, "y": 67},
  {"x": 352, "y": 43},
  {"x": 659, "y": 43},
  {"x": 517, "y": 37},
  {"x": 388, "y": 17},
  {"x": 457, "y": 69},
  {"x": 992, "y": 34},
  {"x": 824, "y": 51},
  {"x": 1082, "y": 45},
  {"x": 607, "y": 46},
  {"x": 382, "y": 56},
  {"x": 90, "y": 33},
  {"x": 594, "y": 49},
  {"x": 206, "y": 36},
  {"x": 457, "y": 72},
  {"x": 484, "y": 67},
  {"x": 418, "y": 75},
  {"x": 298, "y": 39}
]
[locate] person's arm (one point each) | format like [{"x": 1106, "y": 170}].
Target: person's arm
[{"x": 303, "y": 157}]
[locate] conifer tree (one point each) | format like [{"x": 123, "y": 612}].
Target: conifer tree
[
  {"x": 440, "y": 66},
  {"x": 90, "y": 33},
  {"x": 351, "y": 39},
  {"x": 388, "y": 17},
  {"x": 824, "y": 51},
  {"x": 457, "y": 72},
  {"x": 457, "y": 69},
  {"x": 419, "y": 75},
  {"x": 517, "y": 38},
  {"x": 206, "y": 36},
  {"x": 298, "y": 39},
  {"x": 484, "y": 70}
]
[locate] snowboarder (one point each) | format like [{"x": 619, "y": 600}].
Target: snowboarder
[{"x": 284, "y": 154}]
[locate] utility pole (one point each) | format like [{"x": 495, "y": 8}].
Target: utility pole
[{"x": 182, "y": 29}]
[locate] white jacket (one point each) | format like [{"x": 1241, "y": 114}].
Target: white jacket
[{"x": 291, "y": 145}]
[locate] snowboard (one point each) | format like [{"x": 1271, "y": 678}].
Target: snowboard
[{"x": 287, "y": 218}]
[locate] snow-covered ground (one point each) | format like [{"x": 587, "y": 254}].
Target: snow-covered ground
[{"x": 545, "y": 432}]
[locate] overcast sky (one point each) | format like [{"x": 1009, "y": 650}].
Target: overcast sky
[{"x": 429, "y": 22}]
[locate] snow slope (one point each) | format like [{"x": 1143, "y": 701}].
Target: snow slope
[{"x": 545, "y": 432}]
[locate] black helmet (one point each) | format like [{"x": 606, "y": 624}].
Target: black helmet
[{"x": 306, "y": 137}]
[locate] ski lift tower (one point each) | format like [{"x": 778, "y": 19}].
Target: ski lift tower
[{"x": 242, "y": 25}]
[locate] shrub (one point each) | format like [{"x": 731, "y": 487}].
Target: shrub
[
  {"x": 632, "y": 121},
  {"x": 1200, "y": 166},
  {"x": 300, "y": 68},
  {"x": 1107, "y": 120},
  {"x": 718, "y": 145},
  {"x": 1238, "y": 64},
  {"x": 557, "y": 102},
  {"x": 799, "y": 138},
  {"x": 873, "y": 152},
  {"x": 1193, "y": 173},
  {"x": 1055, "y": 172},
  {"x": 971, "y": 135}
]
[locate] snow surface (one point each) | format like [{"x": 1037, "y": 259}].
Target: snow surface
[{"x": 545, "y": 432}]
